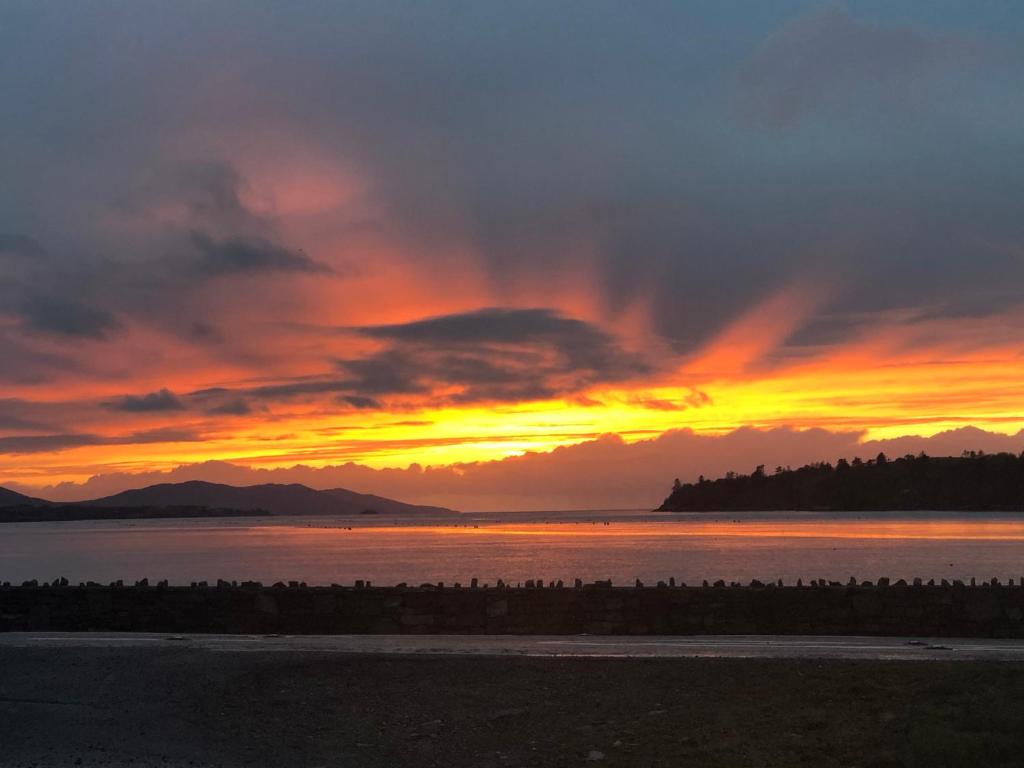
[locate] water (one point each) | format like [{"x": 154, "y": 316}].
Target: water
[{"x": 617, "y": 545}]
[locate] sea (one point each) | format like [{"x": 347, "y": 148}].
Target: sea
[{"x": 620, "y": 545}]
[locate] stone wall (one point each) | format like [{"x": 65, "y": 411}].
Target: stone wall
[{"x": 924, "y": 610}]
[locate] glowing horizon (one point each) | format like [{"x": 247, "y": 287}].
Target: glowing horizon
[{"x": 327, "y": 250}]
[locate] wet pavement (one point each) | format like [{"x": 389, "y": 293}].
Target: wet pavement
[{"x": 583, "y": 646}]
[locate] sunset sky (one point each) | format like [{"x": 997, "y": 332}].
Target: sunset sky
[{"x": 244, "y": 236}]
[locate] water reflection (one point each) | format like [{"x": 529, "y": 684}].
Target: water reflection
[{"x": 620, "y": 545}]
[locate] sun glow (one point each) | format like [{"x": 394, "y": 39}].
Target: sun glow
[
  {"x": 380, "y": 351},
  {"x": 853, "y": 389}
]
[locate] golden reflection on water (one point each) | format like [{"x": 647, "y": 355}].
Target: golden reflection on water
[
  {"x": 926, "y": 530},
  {"x": 522, "y": 546}
]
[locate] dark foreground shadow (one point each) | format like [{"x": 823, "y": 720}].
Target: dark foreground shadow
[{"x": 142, "y": 707}]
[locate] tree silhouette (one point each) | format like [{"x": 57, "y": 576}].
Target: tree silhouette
[{"x": 973, "y": 481}]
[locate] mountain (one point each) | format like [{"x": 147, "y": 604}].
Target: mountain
[
  {"x": 62, "y": 513},
  {"x": 273, "y": 498},
  {"x": 974, "y": 481},
  {"x": 10, "y": 498}
]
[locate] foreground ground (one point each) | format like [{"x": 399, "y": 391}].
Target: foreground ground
[
  {"x": 189, "y": 706},
  {"x": 644, "y": 646}
]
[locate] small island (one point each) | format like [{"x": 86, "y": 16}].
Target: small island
[{"x": 975, "y": 481}]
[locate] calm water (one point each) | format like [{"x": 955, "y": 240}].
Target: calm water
[{"x": 620, "y": 545}]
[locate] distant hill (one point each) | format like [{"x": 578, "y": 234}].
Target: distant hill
[
  {"x": 974, "y": 481},
  {"x": 201, "y": 499},
  {"x": 10, "y": 498},
  {"x": 274, "y": 498},
  {"x": 55, "y": 513}
]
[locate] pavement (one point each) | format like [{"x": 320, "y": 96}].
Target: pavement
[
  {"x": 579, "y": 646},
  {"x": 216, "y": 701}
]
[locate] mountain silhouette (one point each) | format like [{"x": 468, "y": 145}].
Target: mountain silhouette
[
  {"x": 277, "y": 499},
  {"x": 10, "y": 498},
  {"x": 201, "y": 499}
]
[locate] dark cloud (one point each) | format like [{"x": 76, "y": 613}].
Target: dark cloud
[
  {"x": 390, "y": 372},
  {"x": 361, "y": 403},
  {"x": 203, "y": 331},
  {"x": 8, "y": 421},
  {"x": 493, "y": 326},
  {"x": 161, "y": 435},
  {"x": 88, "y": 288},
  {"x": 393, "y": 375},
  {"x": 65, "y": 316},
  {"x": 828, "y": 59},
  {"x": 235, "y": 406},
  {"x": 163, "y": 400},
  {"x": 20, "y": 415},
  {"x": 299, "y": 388},
  {"x": 237, "y": 255},
  {"x": 491, "y": 355},
  {"x": 20, "y": 246},
  {"x": 213, "y": 193},
  {"x": 60, "y": 442},
  {"x": 45, "y": 443},
  {"x": 206, "y": 194},
  {"x": 494, "y": 354},
  {"x": 23, "y": 362}
]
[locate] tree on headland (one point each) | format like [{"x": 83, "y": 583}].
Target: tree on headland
[{"x": 973, "y": 481}]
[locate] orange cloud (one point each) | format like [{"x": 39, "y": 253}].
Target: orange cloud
[
  {"x": 900, "y": 376},
  {"x": 759, "y": 332}
]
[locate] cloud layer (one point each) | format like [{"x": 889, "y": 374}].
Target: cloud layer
[{"x": 448, "y": 232}]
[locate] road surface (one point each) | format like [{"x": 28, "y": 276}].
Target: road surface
[
  {"x": 215, "y": 701},
  {"x": 585, "y": 646}
]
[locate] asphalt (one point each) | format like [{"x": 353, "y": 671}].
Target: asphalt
[
  {"x": 141, "y": 701},
  {"x": 581, "y": 646}
]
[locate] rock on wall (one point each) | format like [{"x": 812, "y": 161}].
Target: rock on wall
[{"x": 924, "y": 610}]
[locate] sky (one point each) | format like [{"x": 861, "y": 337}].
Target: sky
[{"x": 493, "y": 254}]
